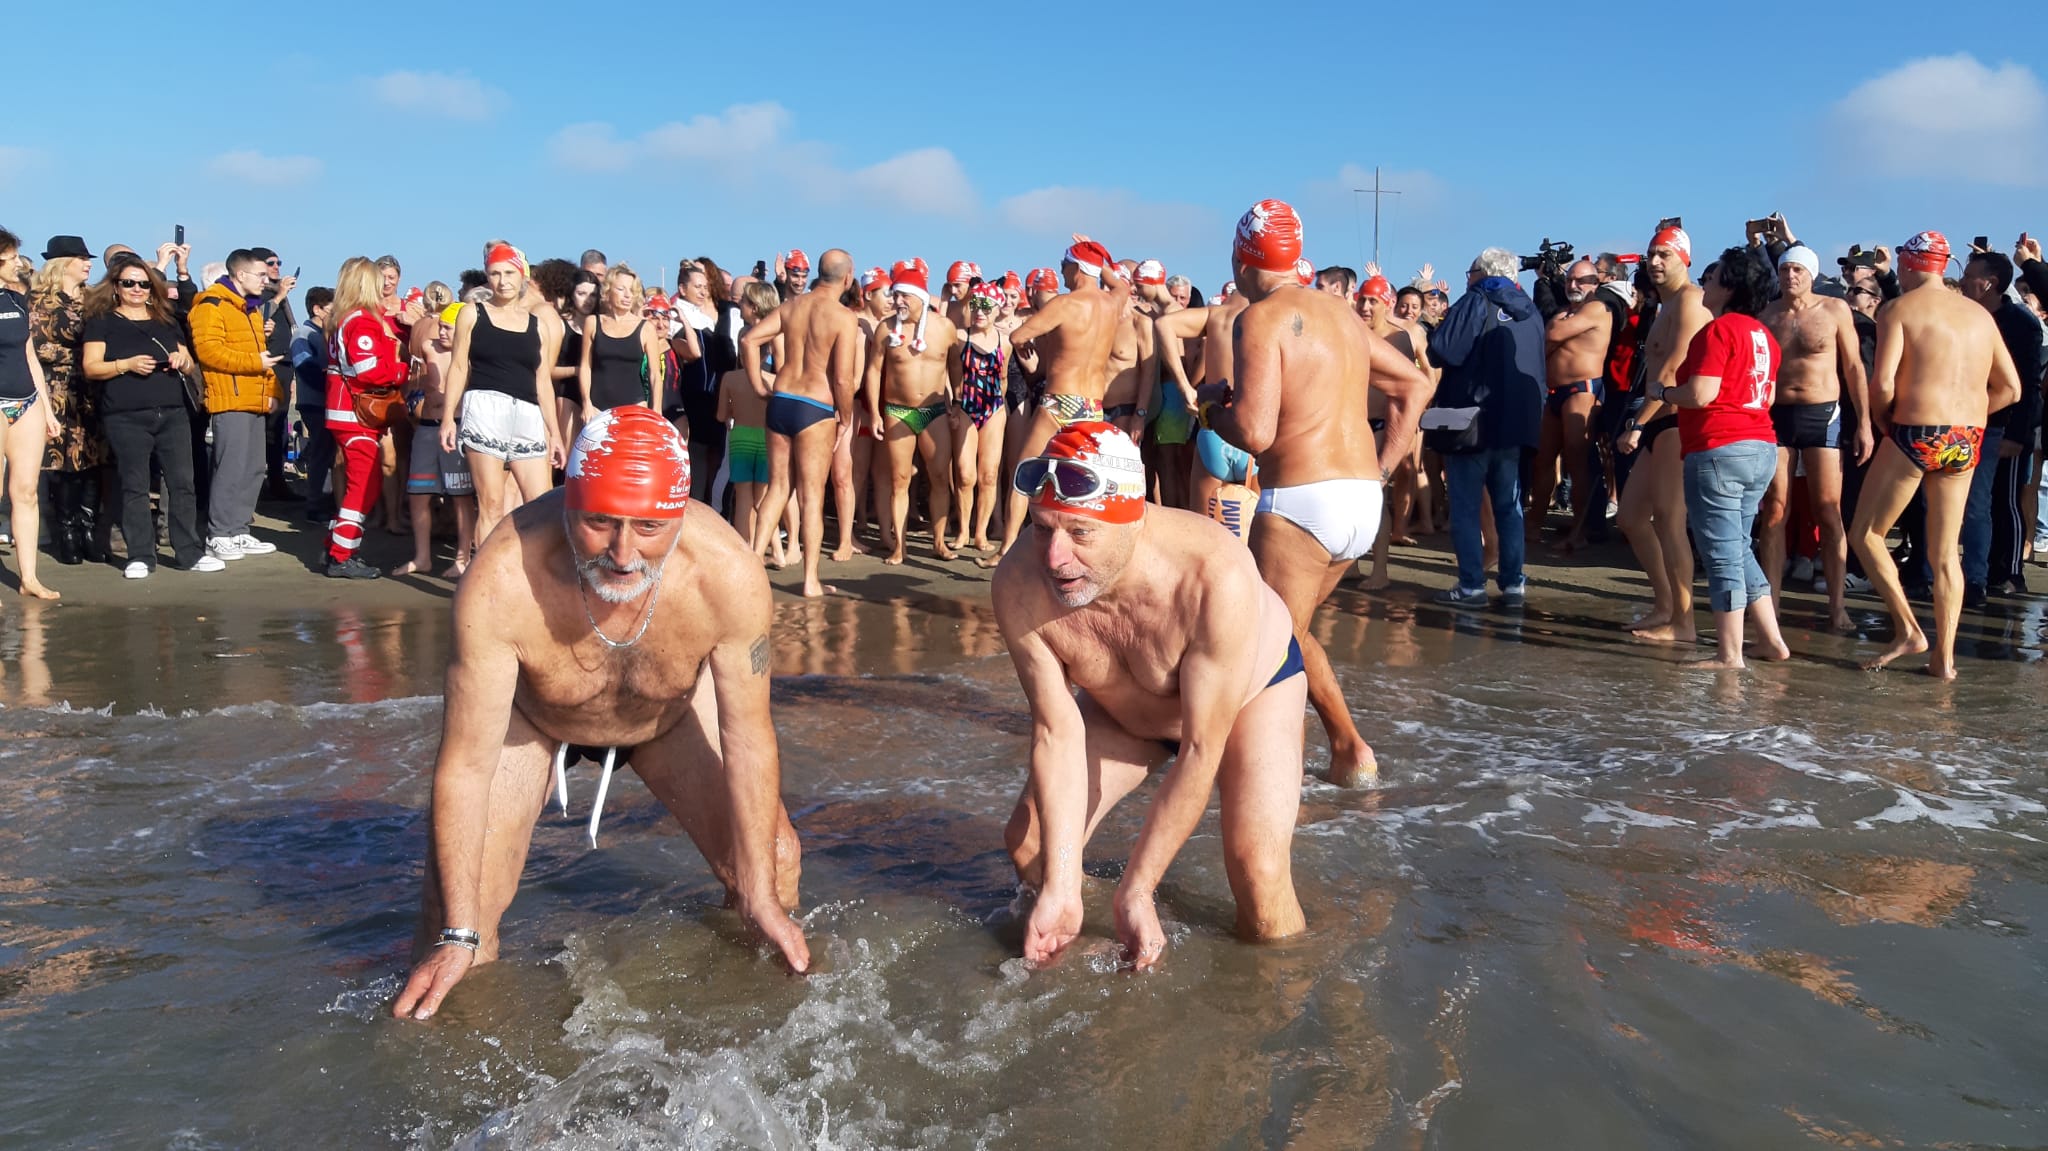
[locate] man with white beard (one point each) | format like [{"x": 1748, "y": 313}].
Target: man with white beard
[{"x": 563, "y": 650}]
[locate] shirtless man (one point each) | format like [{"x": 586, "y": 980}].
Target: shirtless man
[
  {"x": 908, "y": 392},
  {"x": 953, "y": 296},
  {"x": 1653, "y": 504},
  {"x": 1297, "y": 402},
  {"x": 1125, "y": 401},
  {"x": 860, "y": 466},
  {"x": 529, "y": 686},
  {"x": 1168, "y": 442},
  {"x": 1575, "y": 363},
  {"x": 1942, "y": 369},
  {"x": 1376, "y": 307},
  {"x": 1078, "y": 330},
  {"x": 816, "y": 385},
  {"x": 1822, "y": 367},
  {"x": 1178, "y": 651}
]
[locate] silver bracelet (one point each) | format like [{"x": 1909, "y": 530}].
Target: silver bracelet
[{"x": 459, "y": 937}]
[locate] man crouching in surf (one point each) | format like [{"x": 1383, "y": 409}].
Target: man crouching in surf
[{"x": 563, "y": 649}]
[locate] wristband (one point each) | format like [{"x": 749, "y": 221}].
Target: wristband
[{"x": 459, "y": 937}]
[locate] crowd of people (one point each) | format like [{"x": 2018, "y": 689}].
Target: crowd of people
[
  {"x": 1167, "y": 487},
  {"x": 162, "y": 407}
]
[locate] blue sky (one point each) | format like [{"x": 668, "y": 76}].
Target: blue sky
[{"x": 990, "y": 132}]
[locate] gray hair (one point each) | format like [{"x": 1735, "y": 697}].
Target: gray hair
[
  {"x": 1173, "y": 282},
  {"x": 1498, "y": 262}
]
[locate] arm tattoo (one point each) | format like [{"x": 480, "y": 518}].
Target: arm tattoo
[
  {"x": 758, "y": 655},
  {"x": 1297, "y": 323}
]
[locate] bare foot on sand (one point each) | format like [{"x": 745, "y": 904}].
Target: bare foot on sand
[
  {"x": 940, "y": 550},
  {"x": 413, "y": 567},
  {"x": 1666, "y": 633},
  {"x": 1717, "y": 664},
  {"x": 989, "y": 561},
  {"x": 34, "y": 589},
  {"x": 1842, "y": 623},
  {"x": 1378, "y": 581},
  {"x": 847, "y": 551},
  {"x": 1912, "y": 643},
  {"x": 1650, "y": 619},
  {"x": 454, "y": 571},
  {"x": 816, "y": 590},
  {"x": 1777, "y": 653}
]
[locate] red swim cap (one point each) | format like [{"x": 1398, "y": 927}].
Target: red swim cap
[
  {"x": 1012, "y": 283},
  {"x": 1106, "y": 450},
  {"x": 960, "y": 272},
  {"x": 1676, "y": 240},
  {"x": 874, "y": 278},
  {"x": 1305, "y": 271},
  {"x": 993, "y": 293},
  {"x": 1042, "y": 280},
  {"x": 1150, "y": 272},
  {"x": 1269, "y": 237},
  {"x": 506, "y": 254},
  {"x": 656, "y": 302},
  {"x": 629, "y": 462},
  {"x": 913, "y": 277},
  {"x": 1378, "y": 288},
  {"x": 1091, "y": 256},
  {"x": 1926, "y": 252},
  {"x": 797, "y": 259}
]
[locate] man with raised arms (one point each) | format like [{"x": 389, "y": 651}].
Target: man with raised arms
[
  {"x": 1942, "y": 369},
  {"x": 1823, "y": 365},
  {"x": 1575, "y": 364},
  {"x": 907, "y": 390},
  {"x": 608, "y": 624},
  {"x": 1072, "y": 335},
  {"x": 1297, "y": 402},
  {"x": 1655, "y": 519},
  {"x": 1143, "y": 634},
  {"x": 817, "y": 385}
]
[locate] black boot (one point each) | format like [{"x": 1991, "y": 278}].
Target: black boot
[
  {"x": 96, "y": 539},
  {"x": 61, "y": 509}
]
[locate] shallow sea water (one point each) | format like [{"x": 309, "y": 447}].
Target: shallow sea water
[{"x": 1600, "y": 900}]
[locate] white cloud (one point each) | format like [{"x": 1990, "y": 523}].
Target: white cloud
[
  {"x": 449, "y": 96},
  {"x": 753, "y": 145},
  {"x": 929, "y": 181},
  {"x": 1950, "y": 116},
  {"x": 15, "y": 161},
  {"x": 253, "y": 167},
  {"x": 1115, "y": 216}
]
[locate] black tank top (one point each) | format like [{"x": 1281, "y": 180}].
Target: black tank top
[
  {"x": 615, "y": 368},
  {"x": 502, "y": 361},
  {"x": 15, "y": 381}
]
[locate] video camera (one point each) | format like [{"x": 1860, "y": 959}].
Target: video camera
[{"x": 1550, "y": 260}]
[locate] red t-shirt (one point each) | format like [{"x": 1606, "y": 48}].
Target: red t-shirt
[{"x": 1742, "y": 352}]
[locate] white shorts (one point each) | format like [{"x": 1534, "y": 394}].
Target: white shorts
[
  {"x": 1343, "y": 515},
  {"x": 497, "y": 425}
]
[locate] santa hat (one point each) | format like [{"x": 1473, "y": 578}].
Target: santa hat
[
  {"x": 1089, "y": 256},
  {"x": 911, "y": 277}
]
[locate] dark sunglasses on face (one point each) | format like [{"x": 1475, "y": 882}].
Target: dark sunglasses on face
[
  {"x": 1593, "y": 280},
  {"x": 132, "y": 285}
]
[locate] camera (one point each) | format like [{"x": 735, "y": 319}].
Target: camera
[{"x": 1550, "y": 259}]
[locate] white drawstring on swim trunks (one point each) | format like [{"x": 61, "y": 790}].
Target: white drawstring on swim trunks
[{"x": 604, "y": 785}]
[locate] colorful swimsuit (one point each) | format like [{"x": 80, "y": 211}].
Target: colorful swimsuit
[
  {"x": 981, "y": 382},
  {"x": 1939, "y": 449},
  {"x": 1068, "y": 409},
  {"x": 916, "y": 419}
]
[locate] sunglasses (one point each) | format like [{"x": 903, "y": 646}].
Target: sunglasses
[
  {"x": 1073, "y": 482},
  {"x": 1593, "y": 280},
  {"x": 133, "y": 285},
  {"x": 980, "y": 305}
]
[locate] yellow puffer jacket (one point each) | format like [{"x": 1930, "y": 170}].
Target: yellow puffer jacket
[{"x": 227, "y": 340}]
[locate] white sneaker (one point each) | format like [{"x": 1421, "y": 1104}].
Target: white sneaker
[
  {"x": 207, "y": 562},
  {"x": 251, "y": 546},
  {"x": 1855, "y": 583},
  {"x": 136, "y": 570},
  {"x": 224, "y": 547}
]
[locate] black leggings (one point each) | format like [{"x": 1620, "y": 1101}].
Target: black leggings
[{"x": 165, "y": 435}]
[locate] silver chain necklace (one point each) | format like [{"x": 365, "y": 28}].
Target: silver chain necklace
[{"x": 646, "y": 617}]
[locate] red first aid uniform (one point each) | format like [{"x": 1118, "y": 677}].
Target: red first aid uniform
[{"x": 361, "y": 353}]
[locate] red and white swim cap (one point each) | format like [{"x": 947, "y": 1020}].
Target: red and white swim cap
[
  {"x": 1042, "y": 280},
  {"x": 1676, "y": 240},
  {"x": 874, "y": 278},
  {"x": 1150, "y": 272},
  {"x": 656, "y": 302},
  {"x": 960, "y": 272},
  {"x": 797, "y": 259},
  {"x": 1304, "y": 271},
  {"x": 629, "y": 462},
  {"x": 1106, "y": 450},
  {"x": 1925, "y": 252},
  {"x": 1011, "y": 282},
  {"x": 911, "y": 277},
  {"x": 1269, "y": 237},
  {"x": 1378, "y": 288},
  {"x": 993, "y": 293},
  {"x": 506, "y": 254},
  {"x": 1091, "y": 256}
]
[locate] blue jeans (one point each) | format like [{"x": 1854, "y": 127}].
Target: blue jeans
[
  {"x": 1497, "y": 472},
  {"x": 1723, "y": 487}
]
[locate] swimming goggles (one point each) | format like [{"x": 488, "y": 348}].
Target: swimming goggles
[{"x": 1073, "y": 481}]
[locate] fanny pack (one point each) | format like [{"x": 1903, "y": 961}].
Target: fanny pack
[
  {"x": 377, "y": 408},
  {"x": 1451, "y": 431}
]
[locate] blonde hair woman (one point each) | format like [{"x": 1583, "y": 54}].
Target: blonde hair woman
[
  {"x": 77, "y": 455},
  {"x": 622, "y": 353},
  {"x": 366, "y": 370}
]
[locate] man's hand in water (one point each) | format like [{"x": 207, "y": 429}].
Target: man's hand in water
[
  {"x": 1137, "y": 926},
  {"x": 782, "y": 931},
  {"x": 431, "y": 982},
  {"x": 1055, "y": 922}
]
